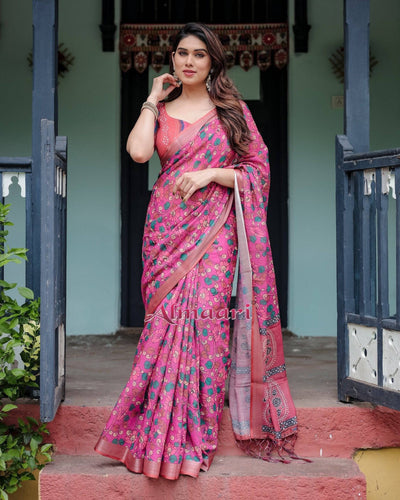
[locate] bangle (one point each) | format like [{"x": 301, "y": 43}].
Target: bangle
[{"x": 152, "y": 107}]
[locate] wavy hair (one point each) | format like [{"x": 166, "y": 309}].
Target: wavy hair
[{"x": 223, "y": 93}]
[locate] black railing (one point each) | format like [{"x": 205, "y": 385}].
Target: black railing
[
  {"x": 368, "y": 269},
  {"x": 52, "y": 236},
  {"x": 53, "y": 270}
]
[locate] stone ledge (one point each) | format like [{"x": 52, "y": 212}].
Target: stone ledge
[
  {"x": 323, "y": 432},
  {"x": 241, "y": 478}
]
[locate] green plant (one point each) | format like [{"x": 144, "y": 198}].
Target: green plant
[{"x": 20, "y": 453}]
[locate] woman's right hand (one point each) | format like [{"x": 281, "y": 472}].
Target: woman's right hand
[
  {"x": 140, "y": 143},
  {"x": 158, "y": 92}
]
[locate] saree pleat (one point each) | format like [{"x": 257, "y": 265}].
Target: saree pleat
[
  {"x": 163, "y": 403},
  {"x": 169, "y": 413}
]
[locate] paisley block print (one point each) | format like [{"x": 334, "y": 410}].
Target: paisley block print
[{"x": 166, "y": 420}]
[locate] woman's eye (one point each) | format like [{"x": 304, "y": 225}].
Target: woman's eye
[
  {"x": 200, "y": 55},
  {"x": 181, "y": 53}
]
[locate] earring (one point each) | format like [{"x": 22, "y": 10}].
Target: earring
[
  {"x": 208, "y": 82},
  {"x": 176, "y": 78}
]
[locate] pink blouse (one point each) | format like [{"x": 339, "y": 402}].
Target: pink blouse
[{"x": 167, "y": 128}]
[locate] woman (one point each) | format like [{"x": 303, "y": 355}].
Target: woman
[{"x": 166, "y": 420}]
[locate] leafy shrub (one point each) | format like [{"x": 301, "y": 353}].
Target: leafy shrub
[{"x": 20, "y": 453}]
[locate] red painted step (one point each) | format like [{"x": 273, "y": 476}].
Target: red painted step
[
  {"x": 239, "y": 478},
  {"x": 323, "y": 432}
]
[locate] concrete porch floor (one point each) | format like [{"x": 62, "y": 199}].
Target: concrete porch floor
[{"x": 98, "y": 366}]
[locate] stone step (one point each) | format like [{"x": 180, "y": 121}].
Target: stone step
[
  {"x": 93, "y": 478},
  {"x": 323, "y": 432}
]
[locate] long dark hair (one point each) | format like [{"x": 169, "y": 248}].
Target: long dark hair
[{"x": 223, "y": 92}]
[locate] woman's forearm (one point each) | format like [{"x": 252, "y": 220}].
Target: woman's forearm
[
  {"x": 224, "y": 176},
  {"x": 140, "y": 143},
  {"x": 189, "y": 182}
]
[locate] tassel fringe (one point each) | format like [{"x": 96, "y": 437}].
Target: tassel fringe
[{"x": 272, "y": 451}]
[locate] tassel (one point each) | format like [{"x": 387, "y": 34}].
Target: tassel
[{"x": 265, "y": 449}]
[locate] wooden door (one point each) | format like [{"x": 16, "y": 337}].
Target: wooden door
[{"x": 269, "y": 111}]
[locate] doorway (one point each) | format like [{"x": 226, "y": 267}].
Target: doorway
[{"x": 269, "y": 110}]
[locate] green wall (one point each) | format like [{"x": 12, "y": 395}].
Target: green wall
[
  {"x": 89, "y": 116},
  {"x": 312, "y": 128},
  {"x": 313, "y": 124},
  {"x": 15, "y": 113},
  {"x": 385, "y": 102}
]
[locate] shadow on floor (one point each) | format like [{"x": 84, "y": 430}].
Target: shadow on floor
[{"x": 98, "y": 366}]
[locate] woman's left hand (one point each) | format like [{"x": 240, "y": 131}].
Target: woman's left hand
[{"x": 189, "y": 182}]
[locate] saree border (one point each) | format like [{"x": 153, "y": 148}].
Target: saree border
[
  {"x": 147, "y": 467},
  {"x": 187, "y": 133},
  {"x": 250, "y": 417},
  {"x": 257, "y": 384},
  {"x": 241, "y": 327}
]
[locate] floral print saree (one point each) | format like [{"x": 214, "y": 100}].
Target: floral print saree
[{"x": 166, "y": 420}]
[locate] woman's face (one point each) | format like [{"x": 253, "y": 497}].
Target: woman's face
[{"x": 192, "y": 62}]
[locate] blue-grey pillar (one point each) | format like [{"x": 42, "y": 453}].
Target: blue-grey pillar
[
  {"x": 44, "y": 105},
  {"x": 356, "y": 39}
]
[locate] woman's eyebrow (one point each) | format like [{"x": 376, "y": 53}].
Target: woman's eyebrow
[{"x": 195, "y": 50}]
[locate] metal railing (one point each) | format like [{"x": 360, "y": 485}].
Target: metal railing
[
  {"x": 51, "y": 233},
  {"x": 53, "y": 270},
  {"x": 368, "y": 257}
]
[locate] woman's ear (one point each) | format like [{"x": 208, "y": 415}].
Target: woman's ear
[{"x": 173, "y": 60}]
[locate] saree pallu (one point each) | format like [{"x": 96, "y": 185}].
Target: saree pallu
[{"x": 166, "y": 420}]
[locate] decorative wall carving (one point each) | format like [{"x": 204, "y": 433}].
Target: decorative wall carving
[
  {"x": 142, "y": 45},
  {"x": 65, "y": 60},
  {"x": 337, "y": 63}
]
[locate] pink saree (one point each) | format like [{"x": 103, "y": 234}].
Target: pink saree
[{"x": 166, "y": 420}]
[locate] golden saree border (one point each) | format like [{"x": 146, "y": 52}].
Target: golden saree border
[{"x": 147, "y": 467}]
